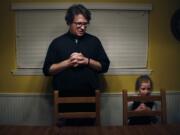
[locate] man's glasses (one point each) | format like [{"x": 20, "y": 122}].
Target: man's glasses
[
  {"x": 145, "y": 88},
  {"x": 80, "y": 24}
]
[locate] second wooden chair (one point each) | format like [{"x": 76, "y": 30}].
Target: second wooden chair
[{"x": 155, "y": 98}]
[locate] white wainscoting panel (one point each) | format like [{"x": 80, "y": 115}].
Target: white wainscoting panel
[
  {"x": 25, "y": 109},
  {"x": 37, "y": 109}
]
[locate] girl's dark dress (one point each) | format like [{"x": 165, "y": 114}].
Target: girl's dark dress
[{"x": 142, "y": 120}]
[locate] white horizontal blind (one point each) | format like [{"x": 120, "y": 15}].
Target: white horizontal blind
[
  {"x": 124, "y": 35},
  {"x": 35, "y": 30}
]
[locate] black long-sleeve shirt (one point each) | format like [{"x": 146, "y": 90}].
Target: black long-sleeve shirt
[{"x": 82, "y": 77}]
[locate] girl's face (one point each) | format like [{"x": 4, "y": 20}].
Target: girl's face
[{"x": 145, "y": 89}]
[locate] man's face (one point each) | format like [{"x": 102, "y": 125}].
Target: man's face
[{"x": 79, "y": 25}]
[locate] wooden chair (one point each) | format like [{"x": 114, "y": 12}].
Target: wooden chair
[
  {"x": 161, "y": 112},
  {"x": 73, "y": 100}
]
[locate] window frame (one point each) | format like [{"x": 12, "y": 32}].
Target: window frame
[{"x": 106, "y": 6}]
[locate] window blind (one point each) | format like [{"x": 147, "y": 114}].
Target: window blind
[{"x": 123, "y": 33}]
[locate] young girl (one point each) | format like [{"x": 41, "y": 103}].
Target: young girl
[{"x": 143, "y": 86}]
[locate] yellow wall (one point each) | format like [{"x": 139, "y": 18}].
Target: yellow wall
[{"x": 164, "y": 51}]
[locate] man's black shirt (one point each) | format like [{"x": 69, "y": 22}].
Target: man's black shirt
[{"x": 79, "y": 78}]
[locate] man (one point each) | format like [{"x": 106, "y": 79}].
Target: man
[{"x": 76, "y": 58}]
